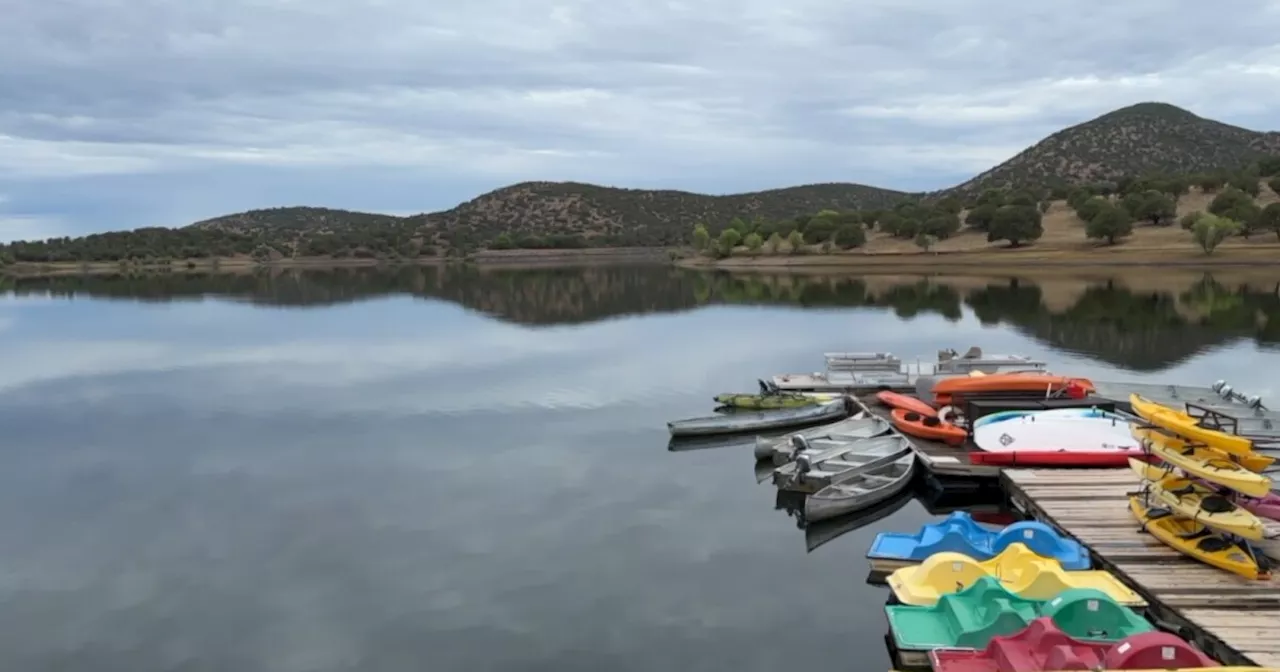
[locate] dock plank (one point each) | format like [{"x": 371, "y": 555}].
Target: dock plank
[{"x": 1230, "y": 617}]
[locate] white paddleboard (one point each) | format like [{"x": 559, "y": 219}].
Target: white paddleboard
[
  {"x": 1071, "y": 433},
  {"x": 1001, "y": 416}
]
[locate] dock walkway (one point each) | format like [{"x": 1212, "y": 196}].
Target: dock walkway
[{"x": 1231, "y": 618}]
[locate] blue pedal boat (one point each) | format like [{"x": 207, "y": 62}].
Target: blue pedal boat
[{"x": 958, "y": 533}]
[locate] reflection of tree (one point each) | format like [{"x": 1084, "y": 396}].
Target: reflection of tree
[{"x": 1144, "y": 330}]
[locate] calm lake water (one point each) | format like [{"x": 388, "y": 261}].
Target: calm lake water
[{"x": 465, "y": 470}]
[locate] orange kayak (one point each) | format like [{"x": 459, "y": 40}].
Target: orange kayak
[
  {"x": 927, "y": 427},
  {"x": 946, "y": 389},
  {"x": 895, "y": 400}
]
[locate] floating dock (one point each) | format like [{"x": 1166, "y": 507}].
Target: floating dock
[{"x": 1232, "y": 619}]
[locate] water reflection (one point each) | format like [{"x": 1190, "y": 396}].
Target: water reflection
[{"x": 1138, "y": 321}]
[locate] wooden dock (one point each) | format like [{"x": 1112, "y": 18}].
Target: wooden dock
[
  {"x": 941, "y": 459},
  {"x": 1231, "y": 618}
]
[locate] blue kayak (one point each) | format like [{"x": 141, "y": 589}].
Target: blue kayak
[
  {"x": 959, "y": 534},
  {"x": 1072, "y": 412}
]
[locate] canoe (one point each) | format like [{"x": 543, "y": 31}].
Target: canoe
[
  {"x": 824, "y": 461},
  {"x": 1206, "y": 463},
  {"x": 1188, "y": 427},
  {"x": 861, "y": 488},
  {"x": 781, "y": 450},
  {"x": 972, "y": 617},
  {"x": 732, "y": 423},
  {"x": 1196, "y": 540},
  {"x": 1194, "y": 500},
  {"x": 1000, "y": 416},
  {"x": 1043, "y": 646},
  {"x": 773, "y": 401},
  {"x": 927, "y": 427},
  {"x": 959, "y": 534},
  {"x": 947, "y": 390},
  {"x": 1020, "y": 570},
  {"x": 1057, "y": 439},
  {"x": 906, "y": 403}
]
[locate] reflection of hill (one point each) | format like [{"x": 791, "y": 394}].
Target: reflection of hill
[{"x": 1146, "y": 329}]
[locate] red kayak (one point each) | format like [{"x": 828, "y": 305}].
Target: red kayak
[
  {"x": 902, "y": 401},
  {"x": 1042, "y": 646},
  {"x": 1057, "y": 458}
]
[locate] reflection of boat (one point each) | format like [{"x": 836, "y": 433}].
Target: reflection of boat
[
  {"x": 679, "y": 444},
  {"x": 820, "y": 532},
  {"x": 823, "y": 462},
  {"x": 863, "y": 489},
  {"x": 732, "y": 423},
  {"x": 780, "y": 450}
]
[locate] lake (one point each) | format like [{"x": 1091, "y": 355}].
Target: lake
[{"x": 460, "y": 469}]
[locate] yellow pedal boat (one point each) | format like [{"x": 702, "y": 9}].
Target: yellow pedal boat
[
  {"x": 1188, "y": 427},
  {"x": 1206, "y": 463},
  {"x": 1196, "y": 540},
  {"x": 1020, "y": 570},
  {"x": 1196, "y": 501}
]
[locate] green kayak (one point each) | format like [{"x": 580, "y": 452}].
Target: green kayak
[
  {"x": 773, "y": 401},
  {"x": 970, "y": 618}
]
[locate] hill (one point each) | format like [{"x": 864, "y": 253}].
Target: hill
[
  {"x": 1137, "y": 141},
  {"x": 1142, "y": 139}
]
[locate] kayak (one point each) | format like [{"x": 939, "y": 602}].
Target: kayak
[
  {"x": 1196, "y": 540},
  {"x": 1205, "y": 463},
  {"x": 1188, "y": 427},
  {"x": 1020, "y": 570},
  {"x": 958, "y": 533},
  {"x": 759, "y": 421},
  {"x": 927, "y": 427},
  {"x": 773, "y": 401},
  {"x": 1056, "y": 438},
  {"x": 1266, "y": 506},
  {"x": 1198, "y": 502},
  {"x": 902, "y": 401},
  {"x": 945, "y": 390}
]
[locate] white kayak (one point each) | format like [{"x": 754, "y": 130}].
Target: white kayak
[{"x": 1056, "y": 432}]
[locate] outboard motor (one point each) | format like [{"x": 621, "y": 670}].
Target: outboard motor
[
  {"x": 1253, "y": 401},
  {"x": 1218, "y": 385},
  {"x": 1225, "y": 391},
  {"x": 804, "y": 463}
]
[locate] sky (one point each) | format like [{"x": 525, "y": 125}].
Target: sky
[{"x": 126, "y": 113}]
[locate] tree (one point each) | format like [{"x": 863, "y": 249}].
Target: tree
[
  {"x": 1017, "y": 224},
  {"x": 754, "y": 242},
  {"x": 742, "y": 226},
  {"x": 1154, "y": 206},
  {"x": 1077, "y": 197},
  {"x": 729, "y": 239},
  {"x": 950, "y": 204},
  {"x": 925, "y": 241},
  {"x": 849, "y": 236},
  {"x": 1210, "y": 183},
  {"x": 819, "y": 229},
  {"x": 700, "y": 237},
  {"x": 1269, "y": 165},
  {"x": 1189, "y": 220},
  {"x": 774, "y": 243},
  {"x": 1110, "y": 223},
  {"x": 991, "y": 197},
  {"x": 941, "y": 225},
  {"x": 1021, "y": 198},
  {"x": 981, "y": 216},
  {"x": 1228, "y": 199},
  {"x": 1274, "y": 183},
  {"x": 1246, "y": 214},
  {"x": 1210, "y": 230},
  {"x": 502, "y": 242},
  {"x": 1090, "y": 208},
  {"x": 1269, "y": 219},
  {"x": 796, "y": 241},
  {"x": 1044, "y": 206}
]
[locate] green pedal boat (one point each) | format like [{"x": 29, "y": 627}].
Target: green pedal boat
[{"x": 970, "y": 618}]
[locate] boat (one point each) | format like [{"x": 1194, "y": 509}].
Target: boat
[
  {"x": 733, "y": 423},
  {"x": 1197, "y": 501},
  {"x": 949, "y": 390},
  {"x": 931, "y": 427},
  {"x": 975, "y": 409},
  {"x": 1020, "y": 570},
  {"x": 780, "y": 449},
  {"x": 1188, "y": 427},
  {"x": 1043, "y": 646},
  {"x": 821, "y": 462},
  {"x": 1057, "y": 439},
  {"x": 1196, "y": 540},
  {"x": 906, "y": 403},
  {"x": 1204, "y": 462},
  {"x": 958, "y": 533},
  {"x": 861, "y": 488},
  {"x": 972, "y": 617},
  {"x": 1089, "y": 412},
  {"x": 818, "y": 533},
  {"x": 770, "y": 397}
]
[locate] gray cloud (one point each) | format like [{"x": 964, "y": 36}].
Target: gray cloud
[{"x": 706, "y": 94}]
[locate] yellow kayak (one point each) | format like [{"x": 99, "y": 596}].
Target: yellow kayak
[
  {"x": 1020, "y": 570},
  {"x": 1198, "y": 502},
  {"x": 1206, "y": 463},
  {"x": 1188, "y": 427},
  {"x": 1195, "y": 540}
]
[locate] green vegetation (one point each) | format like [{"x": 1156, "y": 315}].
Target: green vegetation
[
  {"x": 1110, "y": 223},
  {"x": 1210, "y": 230}
]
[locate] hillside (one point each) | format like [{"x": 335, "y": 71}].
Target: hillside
[
  {"x": 1146, "y": 139},
  {"x": 1142, "y": 139}
]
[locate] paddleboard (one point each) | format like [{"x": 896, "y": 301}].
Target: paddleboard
[
  {"x": 1001, "y": 416},
  {"x": 1058, "y": 439}
]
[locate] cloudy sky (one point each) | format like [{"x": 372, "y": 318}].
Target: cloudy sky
[{"x": 124, "y": 113}]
